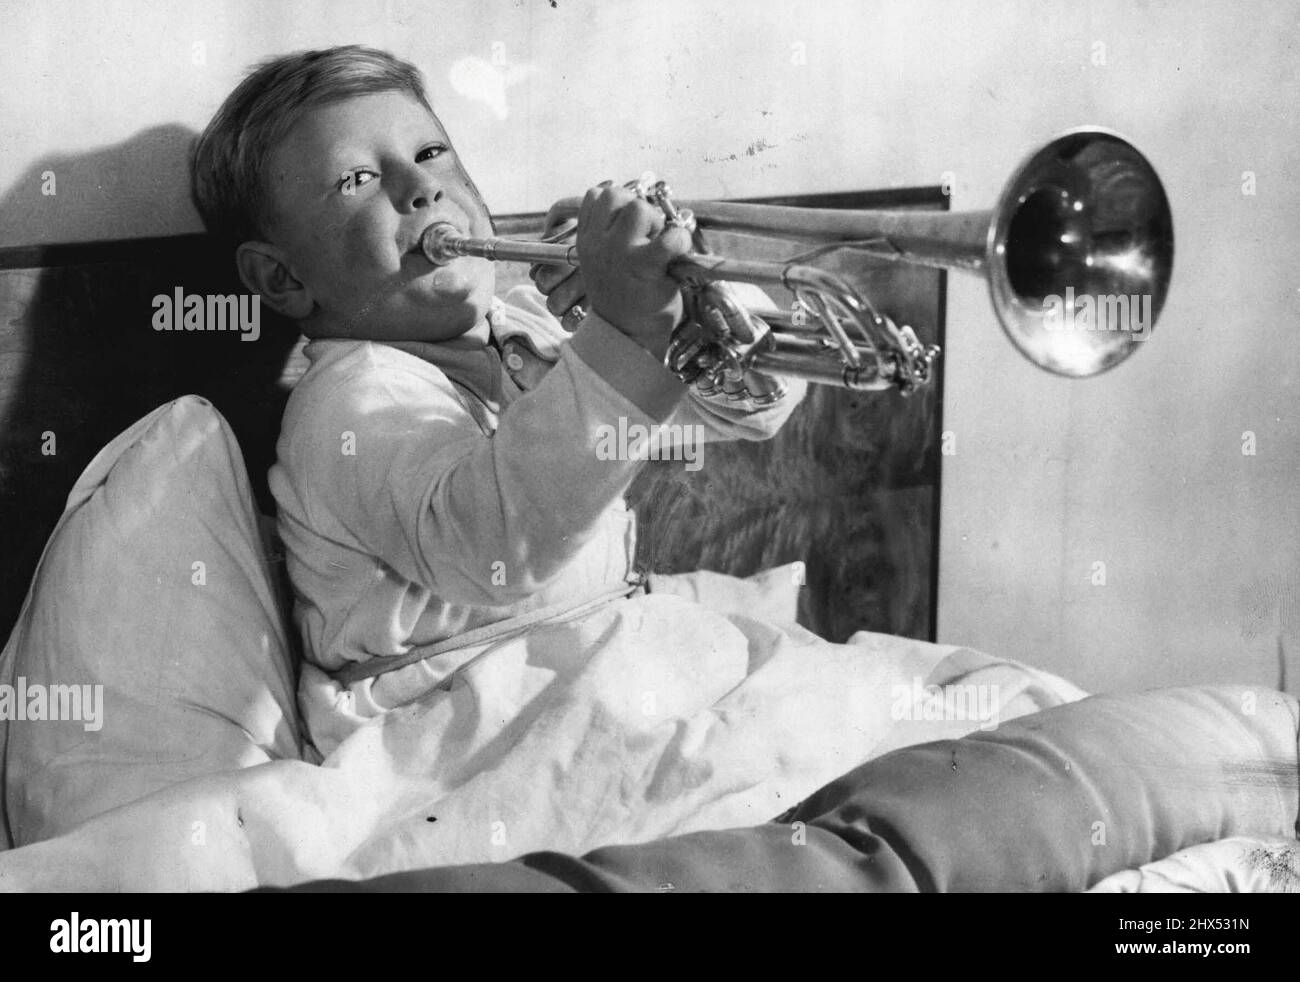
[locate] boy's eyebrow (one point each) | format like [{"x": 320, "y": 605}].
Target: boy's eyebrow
[
  {"x": 334, "y": 153},
  {"x": 338, "y": 153}
]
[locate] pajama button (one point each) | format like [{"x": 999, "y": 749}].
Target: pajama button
[{"x": 514, "y": 361}]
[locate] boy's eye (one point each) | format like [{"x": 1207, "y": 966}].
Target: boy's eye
[{"x": 353, "y": 179}]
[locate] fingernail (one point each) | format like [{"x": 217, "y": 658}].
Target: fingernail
[{"x": 604, "y": 184}]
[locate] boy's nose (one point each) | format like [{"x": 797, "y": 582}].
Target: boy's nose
[
  {"x": 425, "y": 197},
  {"x": 420, "y": 190}
]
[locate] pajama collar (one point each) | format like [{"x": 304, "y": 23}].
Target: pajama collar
[{"x": 522, "y": 347}]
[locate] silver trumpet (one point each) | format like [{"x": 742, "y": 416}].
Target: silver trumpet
[{"x": 1082, "y": 231}]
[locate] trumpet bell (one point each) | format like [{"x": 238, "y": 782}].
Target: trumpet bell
[{"x": 1080, "y": 253}]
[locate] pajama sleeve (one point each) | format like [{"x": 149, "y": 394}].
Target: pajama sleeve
[
  {"x": 724, "y": 419},
  {"x": 719, "y": 417},
  {"x": 387, "y": 461}
]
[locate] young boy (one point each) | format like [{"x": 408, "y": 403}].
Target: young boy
[
  {"x": 457, "y": 543},
  {"x": 423, "y": 496}
]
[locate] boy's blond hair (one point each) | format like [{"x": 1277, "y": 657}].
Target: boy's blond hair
[{"x": 226, "y": 168}]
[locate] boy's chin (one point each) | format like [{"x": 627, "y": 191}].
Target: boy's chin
[
  {"x": 460, "y": 275},
  {"x": 459, "y": 281},
  {"x": 452, "y": 283},
  {"x": 450, "y": 316}
]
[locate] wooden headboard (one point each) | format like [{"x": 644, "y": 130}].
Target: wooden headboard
[{"x": 851, "y": 486}]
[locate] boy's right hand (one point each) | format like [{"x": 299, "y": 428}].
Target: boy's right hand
[{"x": 624, "y": 252}]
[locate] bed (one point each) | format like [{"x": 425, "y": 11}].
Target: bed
[{"x": 203, "y": 779}]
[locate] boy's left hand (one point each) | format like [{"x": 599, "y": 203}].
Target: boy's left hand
[
  {"x": 562, "y": 286},
  {"x": 627, "y": 248}
]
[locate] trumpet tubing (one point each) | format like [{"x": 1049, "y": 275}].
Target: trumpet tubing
[{"x": 1083, "y": 223}]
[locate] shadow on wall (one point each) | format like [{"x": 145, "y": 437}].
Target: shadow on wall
[
  {"x": 123, "y": 191},
  {"x": 80, "y": 358}
]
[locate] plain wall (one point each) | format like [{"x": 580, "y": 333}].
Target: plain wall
[{"x": 1141, "y": 469}]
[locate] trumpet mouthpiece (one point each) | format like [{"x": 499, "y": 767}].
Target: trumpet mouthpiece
[{"x": 438, "y": 243}]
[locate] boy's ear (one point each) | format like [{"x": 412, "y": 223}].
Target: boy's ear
[{"x": 264, "y": 271}]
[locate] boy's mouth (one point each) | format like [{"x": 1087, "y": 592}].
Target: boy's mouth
[
  {"x": 414, "y": 248},
  {"x": 416, "y": 244}
]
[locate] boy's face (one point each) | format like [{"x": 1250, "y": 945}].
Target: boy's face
[{"x": 352, "y": 186}]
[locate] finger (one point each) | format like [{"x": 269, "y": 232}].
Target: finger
[
  {"x": 640, "y": 186},
  {"x": 669, "y": 244},
  {"x": 555, "y": 218},
  {"x": 588, "y": 206},
  {"x": 573, "y": 317},
  {"x": 638, "y": 222},
  {"x": 659, "y": 252},
  {"x": 572, "y": 291},
  {"x": 560, "y": 231},
  {"x": 547, "y": 278},
  {"x": 611, "y": 204}
]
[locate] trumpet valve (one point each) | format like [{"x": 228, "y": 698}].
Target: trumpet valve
[{"x": 675, "y": 217}]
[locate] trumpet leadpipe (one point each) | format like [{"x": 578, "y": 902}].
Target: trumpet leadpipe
[{"x": 442, "y": 243}]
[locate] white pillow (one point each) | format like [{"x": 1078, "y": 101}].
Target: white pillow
[{"x": 155, "y": 585}]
